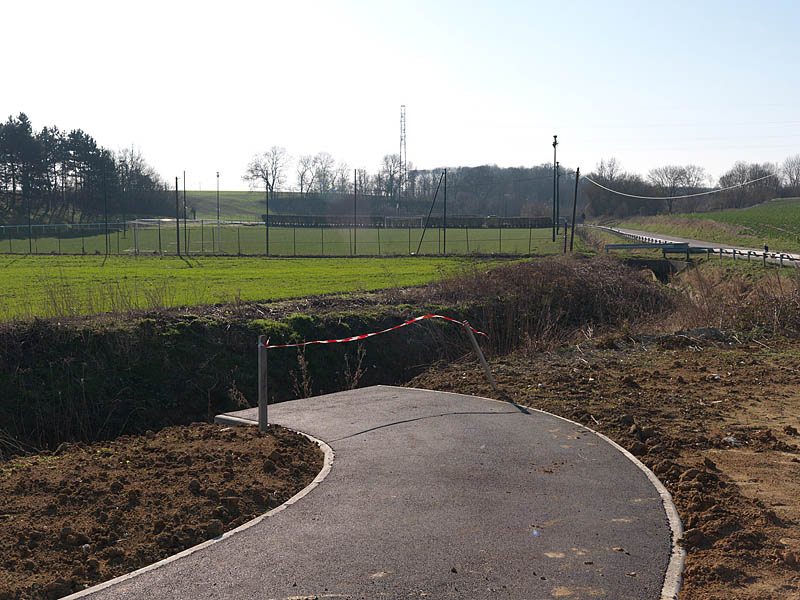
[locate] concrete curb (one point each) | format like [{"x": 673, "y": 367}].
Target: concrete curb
[
  {"x": 673, "y": 576},
  {"x": 326, "y": 468}
]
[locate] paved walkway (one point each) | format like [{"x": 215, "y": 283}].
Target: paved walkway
[{"x": 437, "y": 495}]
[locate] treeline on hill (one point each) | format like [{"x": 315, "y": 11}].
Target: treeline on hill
[
  {"x": 318, "y": 184},
  {"x": 55, "y": 176},
  {"x": 776, "y": 181}
]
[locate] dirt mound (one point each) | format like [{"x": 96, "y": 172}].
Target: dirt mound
[{"x": 87, "y": 513}]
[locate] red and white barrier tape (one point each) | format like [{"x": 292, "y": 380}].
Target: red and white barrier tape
[{"x": 366, "y": 335}]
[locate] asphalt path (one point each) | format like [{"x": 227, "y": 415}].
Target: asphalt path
[
  {"x": 772, "y": 256},
  {"x": 437, "y": 495}
]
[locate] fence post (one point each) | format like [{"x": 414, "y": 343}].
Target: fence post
[
  {"x": 781, "y": 258},
  {"x": 764, "y": 258},
  {"x": 263, "y": 399},
  {"x": 322, "y": 240},
  {"x": 477, "y": 348},
  {"x": 734, "y": 254},
  {"x": 467, "y": 230}
]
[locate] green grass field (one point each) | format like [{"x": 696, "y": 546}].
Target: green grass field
[
  {"x": 200, "y": 238},
  {"x": 233, "y": 205},
  {"x": 776, "y": 222},
  {"x": 53, "y": 286}
]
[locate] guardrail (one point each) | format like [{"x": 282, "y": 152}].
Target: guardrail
[{"x": 669, "y": 246}]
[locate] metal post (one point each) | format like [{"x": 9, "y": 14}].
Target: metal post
[
  {"x": 263, "y": 399},
  {"x": 444, "y": 244},
  {"x": 185, "y": 230},
  {"x": 555, "y": 144},
  {"x": 574, "y": 208},
  {"x": 219, "y": 238},
  {"x": 764, "y": 259},
  {"x": 558, "y": 196},
  {"x": 177, "y": 218},
  {"x": 266, "y": 222},
  {"x": 355, "y": 212},
  {"x": 480, "y": 354},
  {"x": 379, "y": 241},
  {"x": 105, "y": 207}
]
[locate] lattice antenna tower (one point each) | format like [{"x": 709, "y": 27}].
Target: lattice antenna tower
[{"x": 403, "y": 189}]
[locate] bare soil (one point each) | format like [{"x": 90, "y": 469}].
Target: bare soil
[
  {"x": 87, "y": 513},
  {"x": 716, "y": 419}
]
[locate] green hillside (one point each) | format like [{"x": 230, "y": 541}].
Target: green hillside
[{"x": 776, "y": 223}]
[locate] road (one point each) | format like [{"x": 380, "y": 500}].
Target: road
[{"x": 649, "y": 236}]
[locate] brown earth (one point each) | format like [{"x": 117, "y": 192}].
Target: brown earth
[
  {"x": 716, "y": 419},
  {"x": 87, "y": 513}
]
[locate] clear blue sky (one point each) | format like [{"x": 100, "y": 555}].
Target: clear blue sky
[{"x": 202, "y": 86}]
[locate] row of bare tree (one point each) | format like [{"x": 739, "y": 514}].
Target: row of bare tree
[{"x": 768, "y": 181}]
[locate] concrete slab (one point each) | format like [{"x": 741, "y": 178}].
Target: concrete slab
[{"x": 438, "y": 495}]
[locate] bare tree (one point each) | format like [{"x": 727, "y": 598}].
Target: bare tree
[
  {"x": 390, "y": 174},
  {"x": 341, "y": 178},
  {"x": 267, "y": 169},
  {"x": 694, "y": 177},
  {"x": 323, "y": 171},
  {"x": 668, "y": 180},
  {"x": 305, "y": 173},
  {"x": 362, "y": 181},
  {"x": 791, "y": 173},
  {"x": 608, "y": 169}
]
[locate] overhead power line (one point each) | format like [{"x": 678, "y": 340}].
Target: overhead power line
[{"x": 730, "y": 187}]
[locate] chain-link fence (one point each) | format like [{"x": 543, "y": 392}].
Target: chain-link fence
[{"x": 203, "y": 237}]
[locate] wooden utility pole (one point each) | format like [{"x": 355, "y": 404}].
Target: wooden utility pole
[
  {"x": 574, "y": 207},
  {"x": 555, "y": 144}
]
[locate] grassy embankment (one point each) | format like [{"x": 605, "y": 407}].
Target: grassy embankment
[
  {"x": 96, "y": 378},
  {"x": 776, "y": 222}
]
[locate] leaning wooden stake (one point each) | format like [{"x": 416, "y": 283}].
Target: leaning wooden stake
[
  {"x": 263, "y": 342},
  {"x": 480, "y": 354}
]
